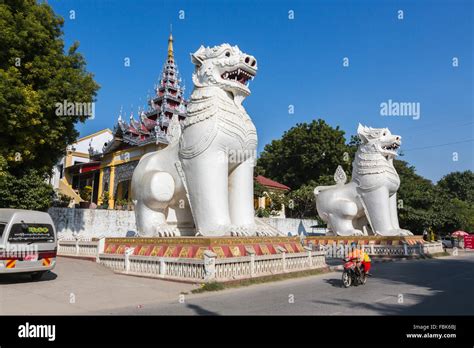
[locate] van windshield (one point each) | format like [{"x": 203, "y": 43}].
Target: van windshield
[
  {"x": 2, "y": 228},
  {"x": 26, "y": 233}
]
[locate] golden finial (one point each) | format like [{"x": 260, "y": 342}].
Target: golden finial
[{"x": 170, "y": 45}]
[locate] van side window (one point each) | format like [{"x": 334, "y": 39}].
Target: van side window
[{"x": 2, "y": 228}]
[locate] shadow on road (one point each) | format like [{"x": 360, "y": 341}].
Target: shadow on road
[
  {"x": 448, "y": 282},
  {"x": 17, "y": 278},
  {"x": 337, "y": 283},
  {"x": 199, "y": 310}
]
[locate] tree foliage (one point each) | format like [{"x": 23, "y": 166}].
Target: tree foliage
[
  {"x": 305, "y": 152},
  {"x": 302, "y": 202},
  {"x": 459, "y": 185},
  {"x": 29, "y": 191},
  {"x": 415, "y": 198},
  {"x": 35, "y": 74}
]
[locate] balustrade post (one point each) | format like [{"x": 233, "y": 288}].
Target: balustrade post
[
  {"x": 310, "y": 256},
  {"x": 282, "y": 251},
  {"x": 100, "y": 248},
  {"x": 77, "y": 246},
  {"x": 372, "y": 251},
  {"x": 128, "y": 252},
  {"x": 209, "y": 266},
  {"x": 162, "y": 267},
  {"x": 251, "y": 253},
  {"x": 405, "y": 248}
]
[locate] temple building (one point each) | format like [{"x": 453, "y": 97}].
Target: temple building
[
  {"x": 263, "y": 200},
  {"x": 146, "y": 132},
  {"x": 77, "y": 169}
]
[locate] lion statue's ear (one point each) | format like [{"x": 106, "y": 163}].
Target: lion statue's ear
[
  {"x": 196, "y": 57},
  {"x": 362, "y": 133}
]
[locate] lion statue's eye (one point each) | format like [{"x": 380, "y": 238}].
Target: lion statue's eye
[
  {"x": 227, "y": 54},
  {"x": 384, "y": 134}
]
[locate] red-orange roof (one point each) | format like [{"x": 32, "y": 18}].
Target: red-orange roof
[{"x": 271, "y": 183}]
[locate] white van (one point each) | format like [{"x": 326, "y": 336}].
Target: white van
[{"x": 28, "y": 242}]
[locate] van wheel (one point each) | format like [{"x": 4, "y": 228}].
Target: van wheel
[{"x": 37, "y": 275}]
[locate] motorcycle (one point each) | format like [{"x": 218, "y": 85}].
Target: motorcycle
[{"x": 353, "y": 274}]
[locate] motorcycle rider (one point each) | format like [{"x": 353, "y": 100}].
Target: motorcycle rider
[{"x": 363, "y": 260}]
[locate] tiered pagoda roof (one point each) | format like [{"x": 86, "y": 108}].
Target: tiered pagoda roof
[{"x": 152, "y": 124}]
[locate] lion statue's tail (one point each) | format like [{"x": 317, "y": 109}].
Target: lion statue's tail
[{"x": 340, "y": 178}]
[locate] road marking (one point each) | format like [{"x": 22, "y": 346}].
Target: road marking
[{"x": 383, "y": 298}]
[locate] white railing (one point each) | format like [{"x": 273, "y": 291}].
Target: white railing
[
  {"x": 116, "y": 262},
  {"x": 80, "y": 248},
  {"x": 256, "y": 266},
  {"x": 385, "y": 250},
  {"x": 339, "y": 250},
  {"x": 67, "y": 248},
  {"x": 210, "y": 268},
  {"x": 433, "y": 248}
]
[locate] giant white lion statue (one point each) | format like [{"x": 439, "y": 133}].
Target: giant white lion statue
[
  {"x": 368, "y": 204},
  {"x": 205, "y": 175}
]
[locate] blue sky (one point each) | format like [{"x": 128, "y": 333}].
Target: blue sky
[{"x": 300, "y": 63}]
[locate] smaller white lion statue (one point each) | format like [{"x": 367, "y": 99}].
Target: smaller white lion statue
[{"x": 368, "y": 204}]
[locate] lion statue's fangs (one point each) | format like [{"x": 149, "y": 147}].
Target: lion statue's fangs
[
  {"x": 368, "y": 204},
  {"x": 205, "y": 175}
]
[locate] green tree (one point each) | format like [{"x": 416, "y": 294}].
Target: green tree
[
  {"x": 35, "y": 75},
  {"x": 29, "y": 191},
  {"x": 415, "y": 197},
  {"x": 308, "y": 151},
  {"x": 302, "y": 202},
  {"x": 459, "y": 185}
]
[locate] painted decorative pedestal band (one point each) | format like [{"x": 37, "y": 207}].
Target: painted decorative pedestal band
[
  {"x": 364, "y": 240},
  {"x": 194, "y": 247}
]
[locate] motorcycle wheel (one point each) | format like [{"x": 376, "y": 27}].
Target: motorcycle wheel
[
  {"x": 363, "y": 279},
  {"x": 346, "y": 279}
]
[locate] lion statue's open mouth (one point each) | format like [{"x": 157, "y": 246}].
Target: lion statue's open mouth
[
  {"x": 391, "y": 150},
  {"x": 240, "y": 75},
  {"x": 392, "y": 147}
]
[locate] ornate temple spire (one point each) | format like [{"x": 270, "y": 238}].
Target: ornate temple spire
[
  {"x": 166, "y": 109},
  {"x": 170, "y": 47}
]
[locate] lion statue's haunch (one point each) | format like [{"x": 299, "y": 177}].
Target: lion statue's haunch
[
  {"x": 205, "y": 177},
  {"x": 368, "y": 204}
]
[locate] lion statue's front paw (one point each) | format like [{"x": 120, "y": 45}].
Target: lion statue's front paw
[
  {"x": 395, "y": 232},
  {"x": 239, "y": 231},
  {"x": 166, "y": 230},
  {"x": 351, "y": 233},
  {"x": 402, "y": 232},
  {"x": 266, "y": 233}
]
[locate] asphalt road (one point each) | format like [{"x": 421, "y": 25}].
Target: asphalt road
[
  {"x": 81, "y": 287},
  {"x": 441, "y": 286}
]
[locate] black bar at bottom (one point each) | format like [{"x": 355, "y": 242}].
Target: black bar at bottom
[{"x": 217, "y": 330}]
